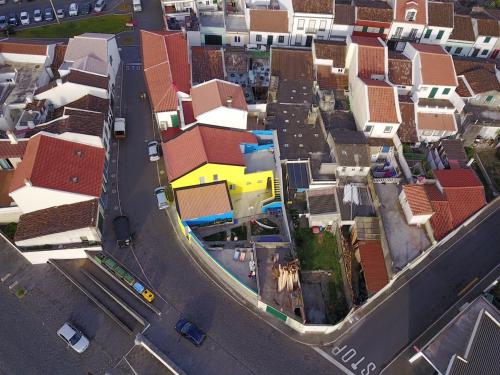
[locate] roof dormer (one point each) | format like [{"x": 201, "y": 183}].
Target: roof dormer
[{"x": 411, "y": 8}]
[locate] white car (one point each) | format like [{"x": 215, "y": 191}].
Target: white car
[
  {"x": 161, "y": 198},
  {"x": 25, "y": 18},
  {"x": 60, "y": 13},
  {"x": 37, "y": 15},
  {"x": 73, "y": 10},
  {"x": 153, "y": 152},
  {"x": 99, "y": 6},
  {"x": 73, "y": 337}
]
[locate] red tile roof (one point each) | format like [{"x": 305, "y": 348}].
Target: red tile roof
[
  {"x": 187, "y": 112},
  {"x": 372, "y": 261},
  {"x": 207, "y": 63},
  {"x": 198, "y": 201},
  {"x": 214, "y": 94},
  {"x": 436, "y": 121},
  {"x": 442, "y": 220},
  {"x": 420, "y": 6},
  {"x": 204, "y": 144},
  {"x": 8, "y": 150},
  {"x": 329, "y": 81},
  {"x": 166, "y": 67},
  {"x": 436, "y": 66},
  {"x": 464, "y": 177},
  {"x": 170, "y": 133},
  {"x": 400, "y": 69},
  {"x": 417, "y": 199},
  {"x": 371, "y": 56},
  {"x": 381, "y": 102},
  {"x": 313, "y": 6},
  {"x": 407, "y": 130},
  {"x": 26, "y": 48},
  {"x": 58, "y": 164},
  {"x": 269, "y": 20}
]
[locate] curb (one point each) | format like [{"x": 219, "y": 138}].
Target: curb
[{"x": 158, "y": 354}]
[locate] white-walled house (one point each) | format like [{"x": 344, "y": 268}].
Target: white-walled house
[
  {"x": 56, "y": 171},
  {"x": 268, "y": 27},
  {"x": 167, "y": 74},
  {"x": 409, "y": 20},
  {"x": 416, "y": 205},
  {"x": 343, "y": 21},
  {"x": 439, "y": 24},
  {"x": 219, "y": 103},
  {"x": 312, "y": 19},
  {"x": 487, "y": 33},
  {"x": 462, "y": 38}
]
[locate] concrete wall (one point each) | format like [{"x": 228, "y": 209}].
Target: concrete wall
[
  {"x": 71, "y": 236},
  {"x": 39, "y": 257},
  {"x": 10, "y": 214},
  {"x": 226, "y": 117},
  {"x": 341, "y": 31}
]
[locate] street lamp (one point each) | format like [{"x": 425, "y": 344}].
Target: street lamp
[{"x": 54, "y": 9}]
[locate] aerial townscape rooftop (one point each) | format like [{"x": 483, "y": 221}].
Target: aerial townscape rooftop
[{"x": 292, "y": 186}]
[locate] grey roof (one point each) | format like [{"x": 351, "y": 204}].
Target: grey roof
[
  {"x": 350, "y": 209},
  {"x": 89, "y": 52},
  {"x": 298, "y": 175},
  {"x": 482, "y": 354},
  {"x": 322, "y": 201},
  {"x": 350, "y": 148}
]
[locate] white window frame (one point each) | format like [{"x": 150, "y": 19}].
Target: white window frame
[{"x": 300, "y": 24}]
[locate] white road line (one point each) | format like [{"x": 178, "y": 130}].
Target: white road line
[{"x": 330, "y": 359}]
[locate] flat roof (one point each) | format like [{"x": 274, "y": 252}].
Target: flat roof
[{"x": 352, "y": 207}]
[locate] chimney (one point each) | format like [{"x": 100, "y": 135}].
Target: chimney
[
  {"x": 312, "y": 116},
  {"x": 27, "y": 182},
  {"x": 229, "y": 101},
  {"x": 59, "y": 82},
  {"x": 12, "y": 137}
]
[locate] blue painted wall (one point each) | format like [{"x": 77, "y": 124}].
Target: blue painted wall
[{"x": 207, "y": 220}]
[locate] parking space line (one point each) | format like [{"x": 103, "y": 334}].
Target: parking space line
[{"x": 330, "y": 359}]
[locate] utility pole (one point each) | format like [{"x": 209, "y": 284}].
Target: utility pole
[{"x": 54, "y": 10}]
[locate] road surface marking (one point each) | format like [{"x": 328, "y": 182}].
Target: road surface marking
[
  {"x": 332, "y": 360},
  {"x": 468, "y": 286}
]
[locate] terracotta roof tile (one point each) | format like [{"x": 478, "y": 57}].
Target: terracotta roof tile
[
  {"x": 462, "y": 29},
  {"x": 464, "y": 177},
  {"x": 203, "y": 144},
  {"x": 6, "y": 176},
  {"x": 203, "y": 200},
  {"x": 464, "y": 202},
  {"x": 292, "y": 64},
  {"x": 207, "y": 64},
  {"x": 488, "y": 27},
  {"x": 87, "y": 103},
  {"x": 466, "y": 65},
  {"x": 436, "y": 121},
  {"x": 440, "y": 14},
  {"x": 481, "y": 81},
  {"x": 8, "y": 150},
  {"x": 81, "y": 122},
  {"x": 400, "y": 69},
  {"x": 381, "y": 102},
  {"x": 187, "y": 112},
  {"x": 166, "y": 67},
  {"x": 87, "y": 79},
  {"x": 373, "y": 10},
  {"x": 331, "y": 50},
  {"x": 420, "y": 6},
  {"x": 25, "y": 48},
  {"x": 57, "y": 219},
  {"x": 462, "y": 88},
  {"x": 59, "y": 52},
  {"x": 236, "y": 61},
  {"x": 372, "y": 261},
  {"x": 436, "y": 66},
  {"x": 313, "y": 6},
  {"x": 441, "y": 221},
  {"x": 269, "y": 20},
  {"x": 329, "y": 81},
  {"x": 215, "y": 94},
  {"x": 58, "y": 164},
  {"x": 407, "y": 130},
  {"x": 344, "y": 14},
  {"x": 371, "y": 57},
  {"x": 417, "y": 199}
]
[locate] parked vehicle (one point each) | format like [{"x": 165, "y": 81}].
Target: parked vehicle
[
  {"x": 37, "y": 15},
  {"x": 137, "y": 5},
  {"x": 86, "y": 8},
  {"x": 2, "y": 2},
  {"x": 73, "y": 10},
  {"x": 60, "y": 13},
  {"x": 154, "y": 153},
  {"x": 3, "y": 23},
  {"x": 123, "y": 235},
  {"x": 48, "y": 14},
  {"x": 99, "y": 6},
  {"x": 13, "y": 19},
  {"x": 161, "y": 198},
  {"x": 73, "y": 337},
  {"x": 119, "y": 128},
  {"x": 190, "y": 331},
  {"x": 25, "y": 18}
]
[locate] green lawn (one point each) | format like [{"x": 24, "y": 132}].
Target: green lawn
[
  {"x": 316, "y": 251},
  {"x": 109, "y": 24},
  {"x": 491, "y": 162}
]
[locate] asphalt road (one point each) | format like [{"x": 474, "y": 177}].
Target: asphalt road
[{"x": 379, "y": 336}]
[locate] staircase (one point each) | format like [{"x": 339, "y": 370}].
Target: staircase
[{"x": 277, "y": 190}]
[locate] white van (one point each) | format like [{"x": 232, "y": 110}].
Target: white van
[{"x": 137, "y": 5}]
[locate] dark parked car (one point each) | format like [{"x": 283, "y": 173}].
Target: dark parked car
[
  {"x": 48, "y": 14},
  {"x": 123, "y": 235},
  {"x": 190, "y": 331},
  {"x": 86, "y": 8},
  {"x": 13, "y": 19}
]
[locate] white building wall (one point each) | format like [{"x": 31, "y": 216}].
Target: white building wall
[
  {"x": 40, "y": 257},
  {"x": 407, "y": 28},
  {"x": 264, "y": 36},
  {"x": 71, "y": 236},
  {"x": 10, "y": 214},
  {"x": 226, "y": 117},
  {"x": 164, "y": 119},
  {"x": 237, "y": 39},
  {"x": 310, "y": 29},
  {"x": 432, "y": 39},
  {"x": 26, "y": 58},
  {"x": 484, "y": 47},
  {"x": 32, "y": 198},
  {"x": 453, "y": 46},
  {"x": 424, "y": 91},
  {"x": 341, "y": 31},
  {"x": 378, "y": 129},
  {"x": 113, "y": 61},
  {"x": 358, "y": 99},
  {"x": 69, "y": 92}
]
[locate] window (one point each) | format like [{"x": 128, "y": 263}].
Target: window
[
  {"x": 312, "y": 25},
  {"x": 399, "y": 31},
  {"x": 447, "y": 48},
  {"x": 202, "y": 180},
  {"x": 298, "y": 40},
  {"x": 410, "y": 15},
  {"x": 216, "y": 177},
  {"x": 428, "y": 33},
  {"x": 413, "y": 33},
  {"x": 322, "y": 25},
  {"x": 237, "y": 39},
  {"x": 281, "y": 39},
  {"x": 368, "y": 129},
  {"x": 388, "y": 129},
  {"x": 487, "y": 39},
  {"x": 111, "y": 59},
  {"x": 489, "y": 98},
  {"x": 365, "y": 29},
  {"x": 485, "y": 52},
  {"x": 300, "y": 25},
  {"x": 258, "y": 38},
  {"x": 458, "y": 50},
  {"x": 446, "y": 91},
  {"x": 440, "y": 34},
  {"x": 381, "y": 30},
  {"x": 6, "y": 164}
]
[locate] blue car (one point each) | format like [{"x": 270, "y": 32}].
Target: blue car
[{"x": 190, "y": 331}]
